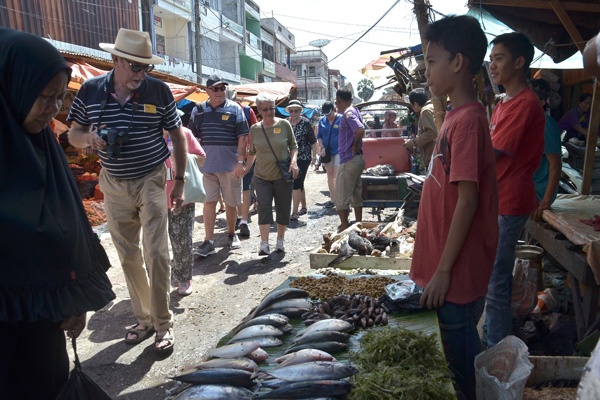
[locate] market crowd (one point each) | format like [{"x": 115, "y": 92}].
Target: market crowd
[{"x": 465, "y": 246}]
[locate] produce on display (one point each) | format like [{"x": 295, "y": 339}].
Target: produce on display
[{"x": 334, "y": 285}]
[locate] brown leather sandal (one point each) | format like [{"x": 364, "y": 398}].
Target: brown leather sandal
[{"x": 140, "y": 334}]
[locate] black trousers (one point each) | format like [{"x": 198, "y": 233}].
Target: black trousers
[{"x": 34, "y": 363}]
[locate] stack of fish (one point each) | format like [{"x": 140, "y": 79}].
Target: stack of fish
[
  {"x": 307, "y": 373},
  {"x": 360, "y": 310}
]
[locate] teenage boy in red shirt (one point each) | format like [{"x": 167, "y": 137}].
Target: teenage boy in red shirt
[
  {"x": 457, "y": 223},
  {"x": 517, "y": 129}
]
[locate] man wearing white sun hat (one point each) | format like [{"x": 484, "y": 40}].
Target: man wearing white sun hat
[{"x": 122, "y": 114}]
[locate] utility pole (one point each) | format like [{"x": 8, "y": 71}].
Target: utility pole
[
  {"x": 422, "y": 12},
  {"x": 197, "y": 41}
]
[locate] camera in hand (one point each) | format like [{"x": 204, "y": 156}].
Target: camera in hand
[{"x": 115, "y": 139}]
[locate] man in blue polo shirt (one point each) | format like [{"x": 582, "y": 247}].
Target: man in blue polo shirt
[
  {"x": 122, "y": 114},
  {"x": 221, "y": 126}
]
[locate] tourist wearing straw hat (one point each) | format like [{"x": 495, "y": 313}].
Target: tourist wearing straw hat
[{"x": 122, "y": 114}]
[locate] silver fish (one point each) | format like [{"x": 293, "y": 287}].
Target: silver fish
[
  {"x": 331, "y": 324},
  {"x": 258, "y": 355},
  {"x": 289, "y": 303},
  {"x": 273, "y": 297},
  {"x": 305, "y": 355},
  {"x": 321, "y": 336},
  {"x": 215, "y": 392},
  {"x": 291, "y": 312},
  {"x": 255, "y": 330},
  {"x": 308, "y": 389},
  {"x": 276, "y": 320},
  {"x": 267, "y": 341},
  {"x": 234, "y": 350},
  {"x": 234, "y": 363},
  {"x": 313, "y": 371},
  {"x": 218, "y": 376},
  {"x": 329, "y": 347}
]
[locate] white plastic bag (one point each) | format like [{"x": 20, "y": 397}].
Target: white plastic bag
[
  {"x": 193, "y": 191},
  {"x": 502, "y": 371},
  {"x": 524, "y": 288}
]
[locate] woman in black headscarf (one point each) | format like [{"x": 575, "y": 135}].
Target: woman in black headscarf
[{"x": 52, "y": 266}]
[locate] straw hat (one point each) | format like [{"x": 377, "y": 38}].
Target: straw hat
[{"x": 134, "y": 46}]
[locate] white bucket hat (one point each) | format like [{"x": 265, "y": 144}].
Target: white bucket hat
[{"x": 134, "y": 46}]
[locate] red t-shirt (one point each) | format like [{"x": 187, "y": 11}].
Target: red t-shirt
[
  {"x": 517, "y": 130},
  {"x": 463, "y": 152}
]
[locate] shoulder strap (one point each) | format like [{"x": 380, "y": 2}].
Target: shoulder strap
[
  {"x": 199, "y": 117},
  {"x": 247, "y": 113},
  {"x": 268, "y": 141}
]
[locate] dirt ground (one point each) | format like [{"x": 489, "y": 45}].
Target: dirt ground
[{"x": 226, "y": 285}]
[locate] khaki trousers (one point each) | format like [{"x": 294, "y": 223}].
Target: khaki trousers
[{"x": 135, "y": 206}]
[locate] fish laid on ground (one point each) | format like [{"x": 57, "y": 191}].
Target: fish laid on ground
[
  {"x": 254, "y": 331},
  {"x": 267, "y": 341},
  {"x": 234, "y": 363},
  {"x": 218, "y": 376},
  {"x": 273, "y": 297},
  {"x": 302, "y": 356},
  {"x": 308, "y": 389},
  {"x": 321, "y": 336},
  {"x": 331, "y": 324},
  {"x": 258, "y": 355},
  {"x": 329, "y": 347},
  {"x": 215, "y": 392},
  {"x": 301, "y": 302},
  {"x": 234, "y": 350},
  {"x": 276, "y": 320},
  {"x": 291, "y": 312},
  {"x": 287, "y": 328},
  {"x": 327, "y": 370}
]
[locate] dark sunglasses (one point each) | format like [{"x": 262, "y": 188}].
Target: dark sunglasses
[
  {"x": 218, "y": 89},
  {"x": 139, "y": 67}
]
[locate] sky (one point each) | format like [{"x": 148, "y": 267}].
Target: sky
[{"x": 342, "y": 22}]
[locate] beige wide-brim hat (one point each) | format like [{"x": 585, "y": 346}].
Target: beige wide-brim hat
[{"x": 134, "y": 46}]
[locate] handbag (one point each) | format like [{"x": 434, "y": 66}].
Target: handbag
[
  {"x": 80, "y": 386},
  {"x": 327, "y": 157},
  {"x": 284, "y": 165},
  {"x": 193, "y": 190}
]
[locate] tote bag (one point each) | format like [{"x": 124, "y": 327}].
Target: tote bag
[{"x": 193, "y": 190}]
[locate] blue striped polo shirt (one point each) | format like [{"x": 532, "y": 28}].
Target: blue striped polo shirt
[
  {"x": 219, "y": 130},
  {"x": 145, "y": 148}
]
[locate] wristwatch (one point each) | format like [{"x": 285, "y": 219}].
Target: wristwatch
[{"x": 180, "y": 178}]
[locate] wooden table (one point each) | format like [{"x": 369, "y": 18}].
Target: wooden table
[{"x": 569, "y": 256}]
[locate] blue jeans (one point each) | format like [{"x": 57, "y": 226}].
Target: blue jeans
[
  {"x": 458, "y": 327},
  {"x": 498, "y": 318}
]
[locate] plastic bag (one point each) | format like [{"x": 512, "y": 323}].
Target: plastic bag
[
  {"x": 524, "y": 289},
  {"x": 404, "y": 295},
  {"x": 502, "y": 371},
  {"x": 80, "y": 386},
  {"x": 193, "y": 190}
]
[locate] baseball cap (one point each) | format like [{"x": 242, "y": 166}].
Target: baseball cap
[
  {"x": 215, "y": 80},
  {"x": 326, "y": 108}
]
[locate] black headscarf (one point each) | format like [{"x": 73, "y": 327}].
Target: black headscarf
[{"x": 51, "y": 263}]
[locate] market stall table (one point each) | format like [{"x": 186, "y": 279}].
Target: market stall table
[{"x": 576, "y": 247}]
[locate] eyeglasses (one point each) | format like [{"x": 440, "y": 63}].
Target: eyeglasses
[
  {"x": 139, "y": 67},
  {"x": 267, "y": 109},
  {"x": 218, "y": 89}
]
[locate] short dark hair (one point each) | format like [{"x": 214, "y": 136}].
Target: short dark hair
[
  {"x": 518, "y": 45},
  {"x": 419, "y": 96},
  {"x": 541, "y": 88},
  {"x": 460, "y": 34},
  {"x": 584, "y": 97},
  {"x": 344, "y": 94}
]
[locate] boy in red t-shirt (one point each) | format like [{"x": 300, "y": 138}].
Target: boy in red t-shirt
[
  {"x": 457, "y": 223},
  {"x": 517, "y": 129}
]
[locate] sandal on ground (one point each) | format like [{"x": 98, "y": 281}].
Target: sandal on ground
[
  {"x": 140, "y": 334},
  {"x": 303, "y": 211},
  {"x": 294, "y": 217},
  {"x": 164, "y": 336}
]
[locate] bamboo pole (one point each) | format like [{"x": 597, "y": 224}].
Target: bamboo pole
[{"x": 439, "y": 103}]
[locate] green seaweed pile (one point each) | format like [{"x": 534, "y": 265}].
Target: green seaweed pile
[{"x": 395, "y": 364}]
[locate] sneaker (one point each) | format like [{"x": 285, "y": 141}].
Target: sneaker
[
  {"x": 234, "y": 242},
  {"x": 207, "y": 248},
  {"x": 280, "y": 247},
  {"x": 263, "y": 249},
  {"x": 237, "y": 223},
  {"x": 244, "y": 230},
  {"x": 184, "y": 288}
]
